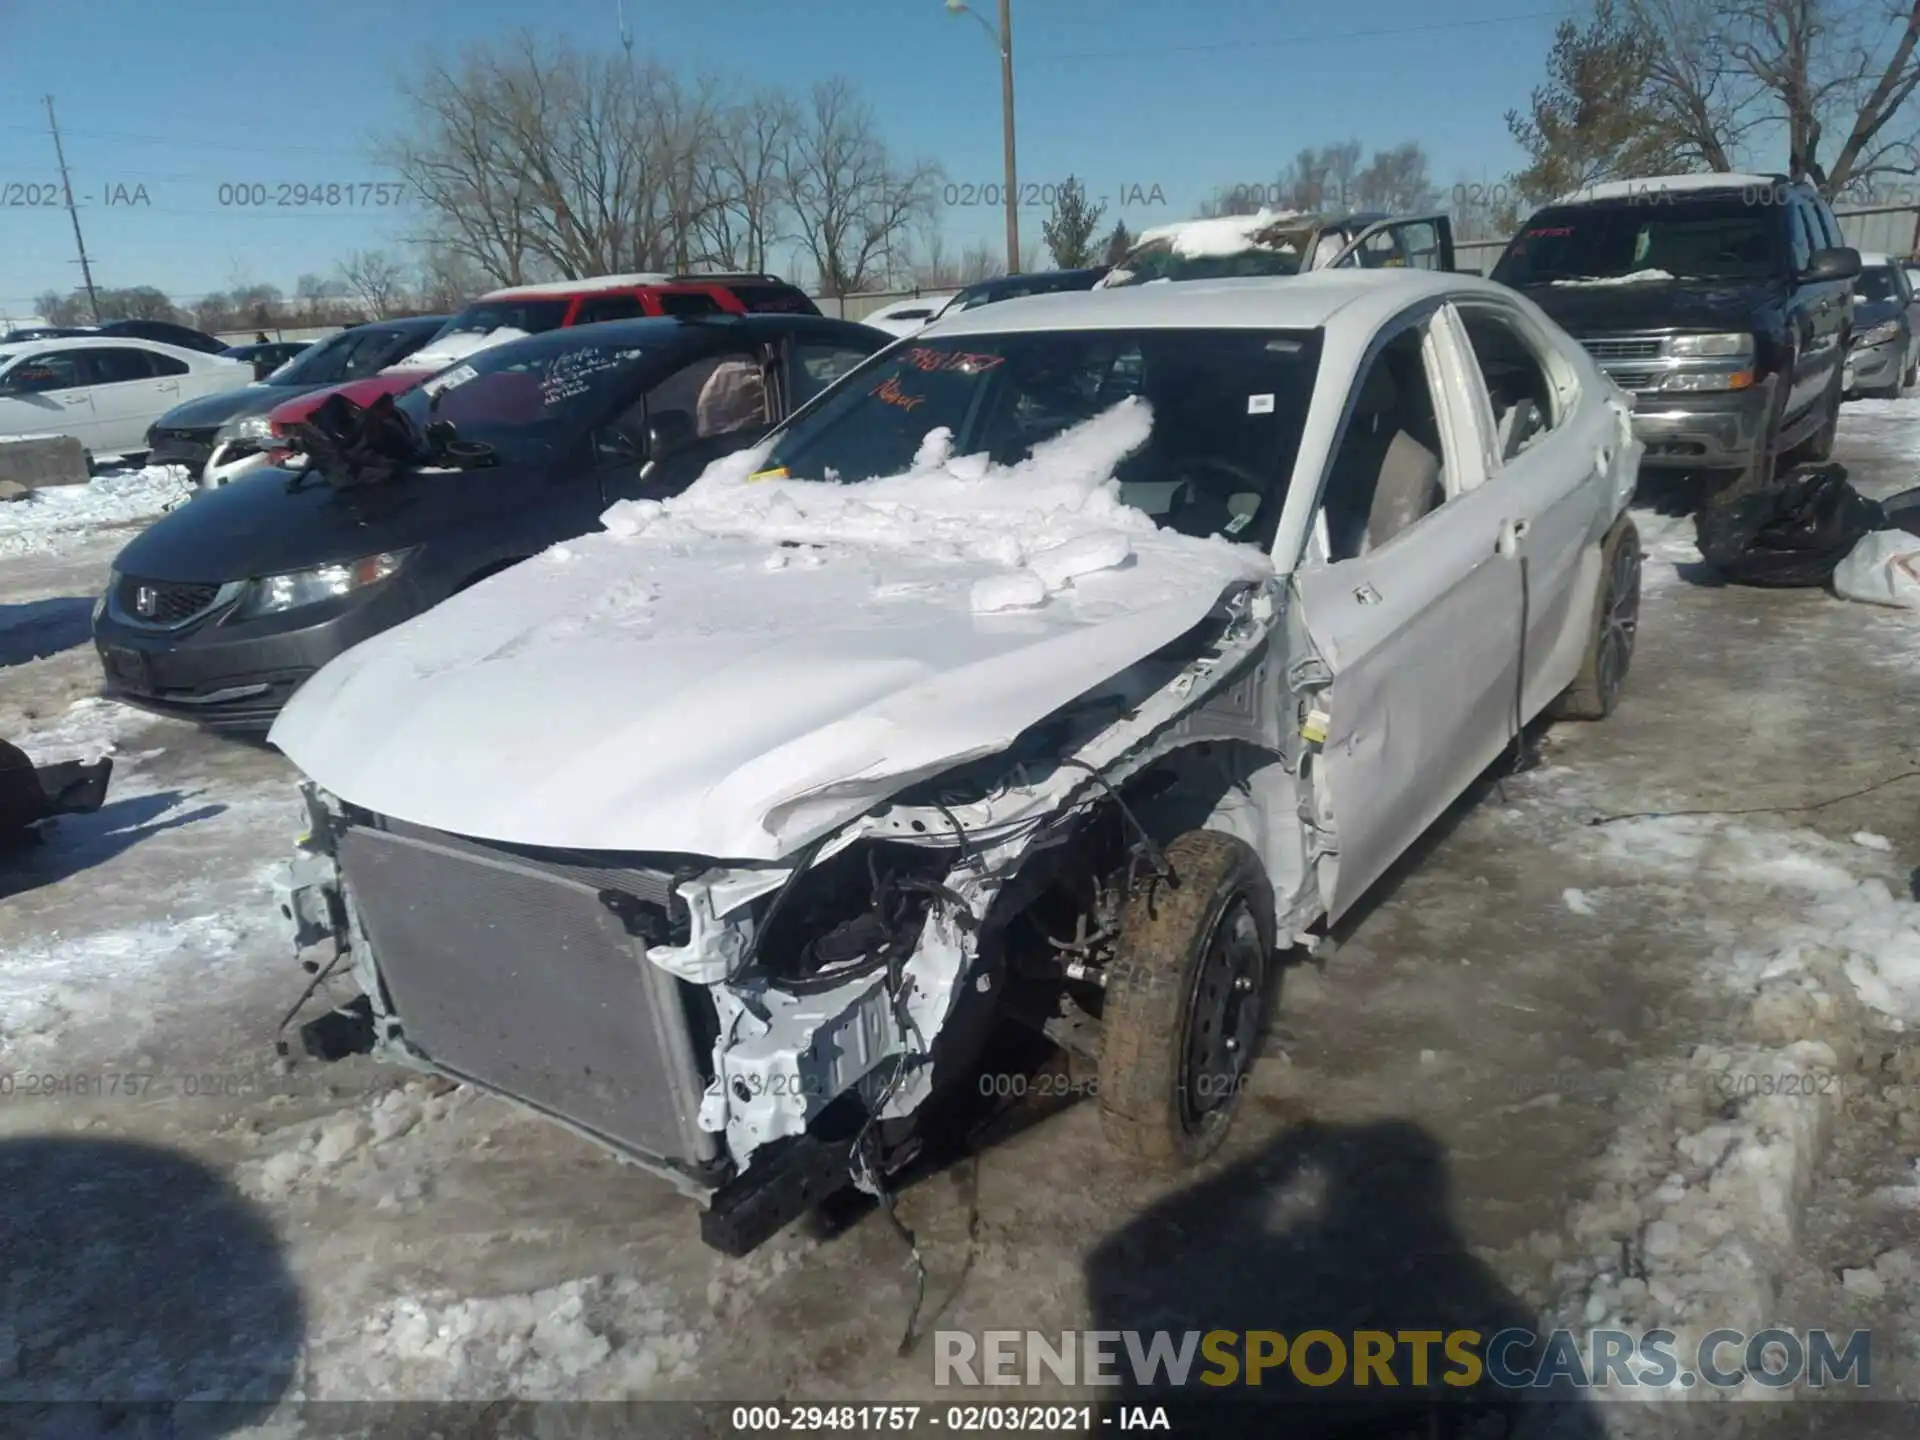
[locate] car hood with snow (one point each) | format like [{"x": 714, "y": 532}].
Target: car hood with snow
[{"x": 752, "y": 665}]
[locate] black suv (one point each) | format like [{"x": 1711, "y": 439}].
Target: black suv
[{"x": 1722, "y": 302}]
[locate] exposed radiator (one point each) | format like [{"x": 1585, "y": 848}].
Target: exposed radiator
[{"x": 516, "y": 973}]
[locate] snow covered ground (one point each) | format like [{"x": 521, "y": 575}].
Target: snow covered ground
[
  {"x": 1579, "y": 1069},
  {"x": 58, "y": 517}
]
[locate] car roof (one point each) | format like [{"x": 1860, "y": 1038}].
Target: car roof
[
  {"x": 914, "y": 302},
  {"x": 104, "y": 342},
  {"x": 589, "y": 286},
  {"x": 1051, "y": 277},
  {"x": 1665, "y": 185},
  {"x": 1294, "y": 302},
  {"x": 399, "y": 322},
  {"x": 655, "y": 330}
]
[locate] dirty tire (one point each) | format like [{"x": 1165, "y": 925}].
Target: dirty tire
[
  {"x": 1184, "y": 949},
  {"x": 1595, "y": 691},
  {"x": 1817, "y": 448}
]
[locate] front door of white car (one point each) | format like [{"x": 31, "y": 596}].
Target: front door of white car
[
  {"x": 132, "y": 387},
  {"x": 47, "y": 394},
  {"x": 1553, "y": 448},
  {"x": 1411, "y": 605}
]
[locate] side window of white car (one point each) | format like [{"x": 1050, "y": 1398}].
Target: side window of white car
[
  {"x": 1518, "y": 386},
  {"x": 55, "y": 370},
  {"x": 117, "y": 366},
  {"x": 1389, "y": 470}
]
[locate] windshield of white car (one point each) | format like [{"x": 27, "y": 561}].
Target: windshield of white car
[
  {"x": 1875, "y": 283},
  {"x": 532, "y": 316},
  {"x": 1668, "y": 240},
  {"x": 1228, "y": 406},
  {"x": 528, "y": 397}
]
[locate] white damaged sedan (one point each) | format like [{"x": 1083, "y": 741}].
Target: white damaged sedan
[{"x": 1055, "y": 668}]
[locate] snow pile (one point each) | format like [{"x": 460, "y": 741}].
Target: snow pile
[
  {"x": 1221, "y": 235},
  {"x": 1700, "y": 1197},
  {"x": 601, "y": 1338},
  {"x": 55, "y": 515},
  {"x": 86, "y": 730},
  {"x": 1698, "y": 1203},
  {"x": 49, "y": 988},
  {"x": 341, "y": 1141},
  {"x": 455, "y": 347},
  {"x": 1048, "y": 519},
  {"x": 1857, "y": 928},
  {"x": 1668, "y": 542},
  {"x": 1634, "y": 277}
]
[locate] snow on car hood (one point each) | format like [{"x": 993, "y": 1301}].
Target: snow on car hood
[
  {"x": 756, "y": 663},
  {"x": 455, "y": 347}
]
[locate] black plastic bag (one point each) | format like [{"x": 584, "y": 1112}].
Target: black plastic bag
[
  {"x": 31, "y": 793},
  {"x": 351, "y": 445},
  {"x": 1903, "y": 511},
  {"x": 1793, "y": 533}
]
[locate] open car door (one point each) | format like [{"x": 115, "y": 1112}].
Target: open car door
[{"x": 1409, "y": 242}]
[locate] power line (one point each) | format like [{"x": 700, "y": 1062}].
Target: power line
[
  {"x": 136, "y": 138},
  {"x": 271, "y": 212},
  {"x": 1318, "y": 38}
]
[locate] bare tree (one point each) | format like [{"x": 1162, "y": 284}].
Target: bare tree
[
  {"x": 1664, "y": 85},
  {"x": 377, "y": 280},
  {"x": 852, "y": 205},
  {"x": 65, "y": 311},
  {"x": 445, "y": 279},
  {"x": 747, "y": 163},
  {"x": 1839, "y": 75},
  {"x": 534, "y": 160},
  {"x": 1395, "y": 179}
]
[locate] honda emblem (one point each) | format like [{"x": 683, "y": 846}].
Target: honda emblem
[{"x": 145, "y": 602}]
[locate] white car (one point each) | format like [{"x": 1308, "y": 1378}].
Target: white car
[
  {"x": 908, "y": 317},
  {"x": 105, "y": 392},
  {"x": 1057, "y": 669}
]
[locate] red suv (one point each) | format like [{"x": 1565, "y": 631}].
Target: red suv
[{"x": 530, "y": 309}]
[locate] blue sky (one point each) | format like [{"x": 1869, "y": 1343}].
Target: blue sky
[{"x": 184, "y": 97}]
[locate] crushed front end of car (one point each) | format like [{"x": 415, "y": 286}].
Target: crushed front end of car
[{"x": 764, "y": 1034}]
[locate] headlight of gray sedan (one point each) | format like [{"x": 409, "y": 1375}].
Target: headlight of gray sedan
[
  {"x": 273, "y": 594},
  {"x": 253, "y": 428},
  {"x": 100, "y": 601}
]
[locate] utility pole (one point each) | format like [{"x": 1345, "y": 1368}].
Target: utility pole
[
  {"x": 66, "y": 186},
  {"x": 1002, "y": 37},
  {"x": 1006, "y": 120}
]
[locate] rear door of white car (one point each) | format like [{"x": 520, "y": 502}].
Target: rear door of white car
[
  {"x": 128, "y": 395},
  {"x": 1410, "y": 604},
  {"x": 1553, "y": 445},
  {"x": 47, "y": 394}
]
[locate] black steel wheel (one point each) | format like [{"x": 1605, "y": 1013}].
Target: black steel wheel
[{"x": 1186, "y": 1001}]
